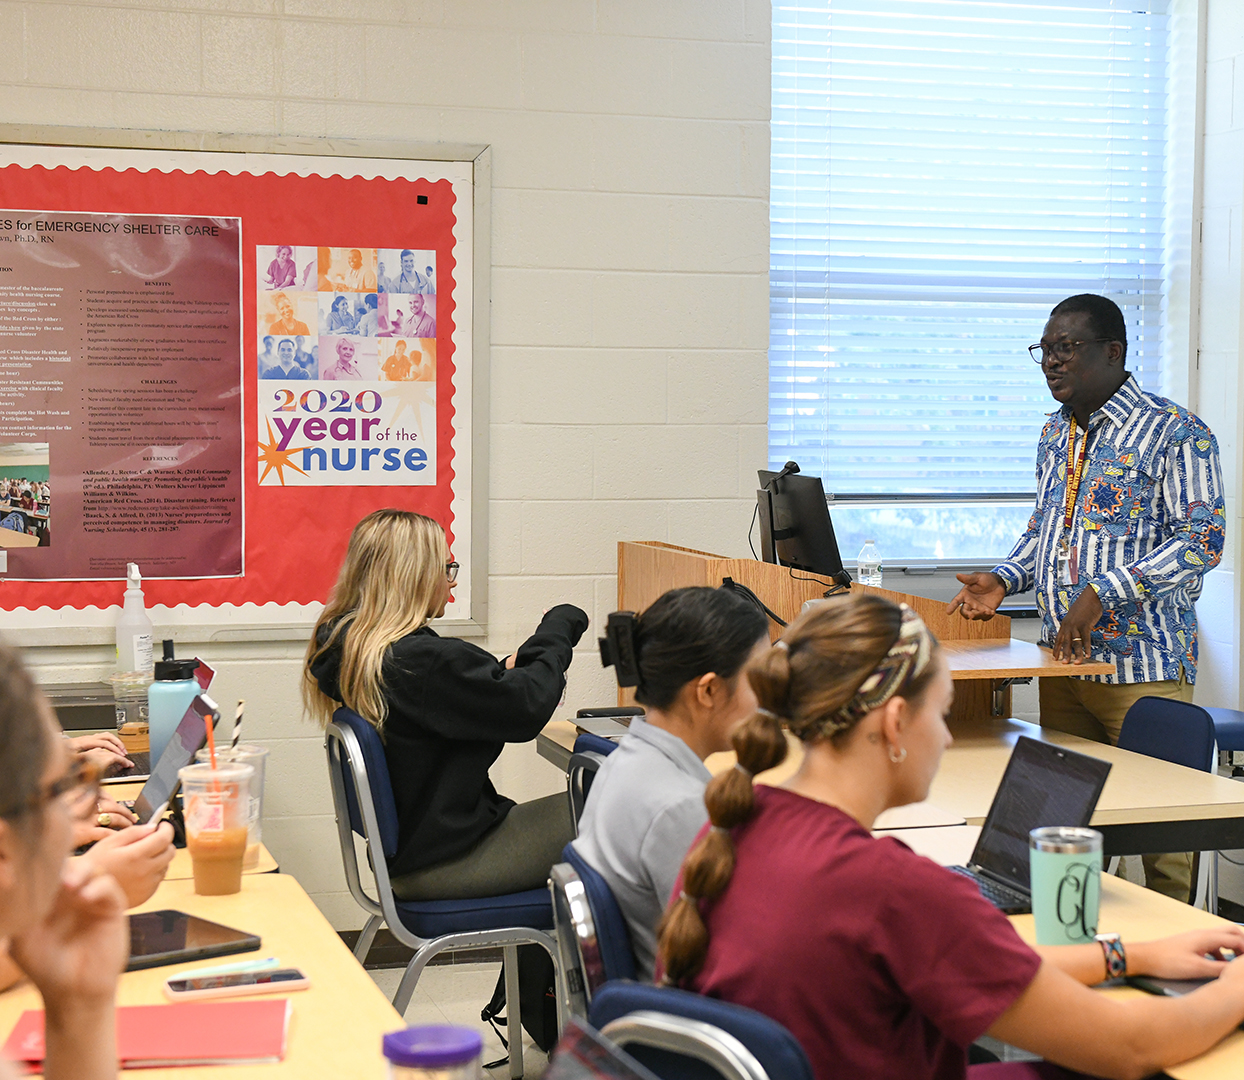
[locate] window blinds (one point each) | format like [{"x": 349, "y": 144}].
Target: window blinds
[{"x": 943, "y": 173}]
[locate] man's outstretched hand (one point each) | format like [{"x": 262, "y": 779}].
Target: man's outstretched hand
[{"x": 980, "y": 596}]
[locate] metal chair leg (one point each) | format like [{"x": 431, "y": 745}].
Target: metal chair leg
[
  {"x": 514, "y": 1022},
  {"x": 406, "y": 988},
  {"x": 366, "y": 936}
]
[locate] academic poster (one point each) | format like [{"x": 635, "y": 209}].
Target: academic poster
[
  {"x": 216, "y": 364},
  {"x": 120, "y": 393}
]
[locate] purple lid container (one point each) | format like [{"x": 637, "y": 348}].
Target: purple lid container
[{"x": 433, "y": 1047}]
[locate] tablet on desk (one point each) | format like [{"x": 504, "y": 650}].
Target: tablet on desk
[{"x": 173, "y": 937}]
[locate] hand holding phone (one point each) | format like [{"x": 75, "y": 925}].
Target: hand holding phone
[{"x": 240, "y": 984}]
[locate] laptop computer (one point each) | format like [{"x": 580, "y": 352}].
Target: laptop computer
[
  {"x": 189, "y": 738},
  {"x": 1043, "y": 785},
  {"x": 130, "y": 774}
]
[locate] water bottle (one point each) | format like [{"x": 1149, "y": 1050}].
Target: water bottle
[
  {"x": 439, "y": 1052},
  {"x": 868, "y": 564},
  {"x": 169, "y": 697}
]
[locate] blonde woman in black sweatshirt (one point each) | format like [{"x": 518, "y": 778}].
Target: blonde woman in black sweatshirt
[{"x": 444, "y": 709}]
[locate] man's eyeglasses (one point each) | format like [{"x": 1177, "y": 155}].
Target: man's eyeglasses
[
  {"x": 451, "y": 571},
  {"x": 1060, "y": 351},
  {"x": 79, "y": 787}
]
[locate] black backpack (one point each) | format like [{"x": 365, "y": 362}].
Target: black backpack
[{"x": 537, "y": 995}]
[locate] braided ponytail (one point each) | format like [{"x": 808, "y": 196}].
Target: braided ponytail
[
  {"x": 832, "y": 666},
  {"x": 760, "y": 744}
]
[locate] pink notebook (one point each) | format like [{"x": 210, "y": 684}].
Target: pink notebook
[{"x": 190, "y": 1033}]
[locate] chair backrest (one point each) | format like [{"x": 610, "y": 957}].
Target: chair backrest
[
  {"x": 581, "y": 770},
  {"x": 617, "y": 954},
  {"x": 596, "y": 744},
  {"x": 592, "y": 938},
  {"x": 586, "y": 758},
  {"x": 1175, "y": 731},
  {"x": 641, "y": 1018},
  {"x": 362, "y": 758}
]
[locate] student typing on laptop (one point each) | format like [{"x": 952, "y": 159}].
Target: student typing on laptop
[{"x": 880, "y": 962}]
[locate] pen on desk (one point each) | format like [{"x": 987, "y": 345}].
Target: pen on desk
[{"x": 243, "y": 967}]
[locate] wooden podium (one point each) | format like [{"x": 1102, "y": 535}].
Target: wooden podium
[{"x": 983, "y": 657}]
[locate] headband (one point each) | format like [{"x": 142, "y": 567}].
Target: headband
[{"x": 905, "y": 660}]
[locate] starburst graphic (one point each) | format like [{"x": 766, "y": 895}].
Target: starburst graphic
[
  {"x": 274, "y": 458},
  {"x": 418, "y": 397}
]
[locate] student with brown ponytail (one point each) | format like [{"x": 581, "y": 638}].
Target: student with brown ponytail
[
  {"x": 647, "y": 802},
  {"x": 880, "y": 962}
]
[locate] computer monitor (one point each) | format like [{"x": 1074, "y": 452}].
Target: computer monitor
[{"x": 795, "y": 529}]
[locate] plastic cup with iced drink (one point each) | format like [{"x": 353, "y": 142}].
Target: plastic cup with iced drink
[
  {"x": 217, "y": 808},
  {"x": 254, "y": 756}
]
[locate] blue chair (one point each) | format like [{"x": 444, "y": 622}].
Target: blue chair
[
  {"x": 364, "y": 805},
  {"x": 1183, "y": 734},
  {"x": 591, "y": 932},
  {"x": 685, "y": 1036},
  {"x": 586, "y": 758},
  {"x": 1229, "y": 732}
]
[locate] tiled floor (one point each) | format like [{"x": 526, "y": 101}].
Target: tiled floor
[{"x": 455, "y": 994}]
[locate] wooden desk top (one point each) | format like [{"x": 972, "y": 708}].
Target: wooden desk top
[
  {"x": 1141, "y": 915},
  {"x": 10, "y": 538},
  {"x": 560, "y": 735},
  {"x": 337, "y": 1024},
  {"x": 1010, "y": 659},
  {"x": 1135, "y": 913},
  {"x": 1139, "y": 788}
]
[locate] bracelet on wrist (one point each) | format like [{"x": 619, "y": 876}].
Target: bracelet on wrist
[{"x": 1116, "y": 957}]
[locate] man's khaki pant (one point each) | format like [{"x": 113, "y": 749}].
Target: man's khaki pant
[{"x": 1095, "y": 710}]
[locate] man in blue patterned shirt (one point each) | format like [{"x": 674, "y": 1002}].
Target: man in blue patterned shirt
[{"x": 1129, "y": 517}]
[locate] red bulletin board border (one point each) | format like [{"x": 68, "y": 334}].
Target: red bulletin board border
[{"x": 295, "y": 537}]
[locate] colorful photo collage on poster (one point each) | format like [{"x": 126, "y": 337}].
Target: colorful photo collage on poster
[
  {"x": 354, "y": 314},
  {"x": 347, "y": 364}
]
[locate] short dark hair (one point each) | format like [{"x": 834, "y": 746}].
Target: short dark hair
[
  {"x": 686, "y": 633},
  {"x": 23, "y": 740},
  {"x": 1103, "y": 313}
]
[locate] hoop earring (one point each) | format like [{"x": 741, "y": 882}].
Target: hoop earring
[{"x": 900, "y": 757}]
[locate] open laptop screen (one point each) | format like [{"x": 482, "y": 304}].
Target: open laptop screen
[
  {"x": 189, "y": 738},
  {"x": 1043, "y": 785}
]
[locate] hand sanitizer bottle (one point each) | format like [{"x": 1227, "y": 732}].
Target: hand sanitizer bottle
[{"x": 134, "y": 630}]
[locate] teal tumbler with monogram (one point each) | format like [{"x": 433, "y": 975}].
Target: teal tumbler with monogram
[{"x": 1065, "y": 867}]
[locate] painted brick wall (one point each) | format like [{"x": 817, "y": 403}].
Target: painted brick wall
[
  {"x": 1218, "y": 400},
  {"x": 630, "y": 304}
]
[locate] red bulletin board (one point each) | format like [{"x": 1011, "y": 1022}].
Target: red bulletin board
[{"x": 295, "y": 535}]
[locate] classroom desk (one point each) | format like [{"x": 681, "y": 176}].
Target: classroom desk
[
  {"x": 11, "y": 539},
  {"x": 1147, "y": 805},
  {"x": 337, "y": 1024},
  {"x": 1135, "y": 913},
  {"x": 555, "y": 742}
]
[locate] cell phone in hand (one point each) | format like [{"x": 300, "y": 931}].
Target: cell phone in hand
[{"x": 239, "y": 984}]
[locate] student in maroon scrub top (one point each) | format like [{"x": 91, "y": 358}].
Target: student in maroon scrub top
[{"x": 880, "y": 962}]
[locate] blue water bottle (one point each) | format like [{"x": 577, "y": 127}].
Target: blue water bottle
[{"x": 169, "y": 697}]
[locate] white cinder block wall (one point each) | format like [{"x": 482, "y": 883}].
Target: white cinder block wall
[
  {"x": 1218, "y": 402},
  {"x": 630, "y": 279}
]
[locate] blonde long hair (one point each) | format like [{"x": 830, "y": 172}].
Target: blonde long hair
[{"x": 389, "y": 586}]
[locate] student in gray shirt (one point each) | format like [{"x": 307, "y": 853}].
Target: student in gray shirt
[{"x": 647, "y": 802}]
